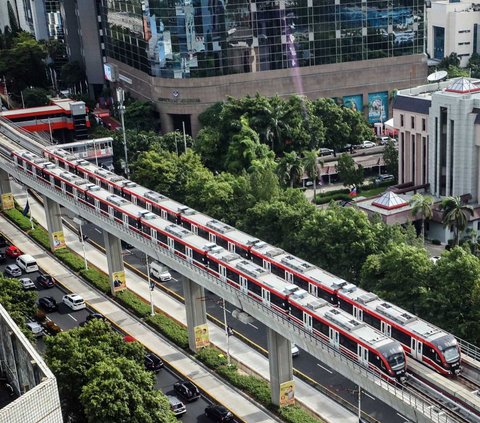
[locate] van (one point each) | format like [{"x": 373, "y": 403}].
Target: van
[
  {"x": 27, "y": 263},
  {"x": 160, "y": 272}
]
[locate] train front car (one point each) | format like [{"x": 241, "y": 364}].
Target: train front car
[
  {"x": 448, "y": 352},
  {"x": 395, "y": 356}
]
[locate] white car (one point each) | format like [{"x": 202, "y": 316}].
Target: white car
[
  {"x": 27, "y": 283},
  {"x": 13, "y": 270},
  {"x": 368, "y": 144},
  {"x": 74, "y": 301},
  {"x": 159, "y": 271},
  {"x": 295, "y": 350},
  {"x": 35, "y": 328}
]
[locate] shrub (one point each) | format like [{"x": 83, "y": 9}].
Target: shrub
[
  {"x": 295, "y": 414},
  {"x": 41, "y": 236},
  {"x": 334, "y": 197},
  {"x": 19, "y": 219},
  {"x": 176, "y": 332},
  {"x": 334, "y": 192},
  {"x": 133, "y": 302},
  {"x": 97, "y": 278},
  {"x": 212, "y": 357},
  {"x": 71, "y": 259}
]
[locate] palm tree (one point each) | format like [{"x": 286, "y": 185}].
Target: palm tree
[
  {"x": 455, "y": 215},
  {"x": 423, "y": 206},
  {"x": 310, "y": 164},
  {"x": 290, "y": 168}
]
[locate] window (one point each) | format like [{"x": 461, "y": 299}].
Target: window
[
  {"x": 464, "y": 44},
  {"x": 464, "y": 31},
  {"x": 424, "y": 124},
  {"x": 412, "y": 122},
  {"x": 401, "y": 120}
]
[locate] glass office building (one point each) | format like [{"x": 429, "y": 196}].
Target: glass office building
[{"x": 203, "y": 38}]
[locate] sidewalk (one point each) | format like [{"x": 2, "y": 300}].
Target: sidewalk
[{"x": 310, "y": 397}]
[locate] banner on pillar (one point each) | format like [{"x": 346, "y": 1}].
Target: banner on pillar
[
  {"x": 119, "y": 281},
  {"x": 58, "y": 240},
  {"x": 202, "y": 337},
  {"x": 287, "y": 393},
  {"x": 7, "y": 201}
]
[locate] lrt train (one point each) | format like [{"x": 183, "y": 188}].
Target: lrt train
[
  {"x": 421, "y": 340},
  {"x": 355, "y": 339}
]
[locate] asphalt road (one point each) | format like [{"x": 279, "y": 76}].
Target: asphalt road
[
  {"x": 68, "y": 319},
  {"x": 256, "y": 332}
]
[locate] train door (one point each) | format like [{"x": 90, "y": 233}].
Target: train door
[
  {"x": 308, "y": 322},
  {"x": 97, "y": 204},
  {"x": 266, "y": 297},
  {"x": 153, "y": 234},
  {"x": 386, "y": 328},
  {"x": 134, "y": 199},
  {"x": 244, "y": 285},
  {"x": 212, "y": 238},
  {"x": 125, "y": 219},
  {"x": 289, "y": 277},
  {"x": 362, "y": 353},
  {"x": 148, "y": 206},
  {"x": 231, "y": 247},
  {"x": 358, "y": 313},
  {"x": 189, "y": 254},
  {"x": 62, "y": 184},
  {"x": 334, "y": 338},
  {"x": 223, "y": 272},
  {"x": 164, "y": 215},
  {"x": 417, "y": 348},
  {"x": 267, "y": 265},
  {"x": 194, "y": 229},
  {"x": 312, "y": 289},
  {"x": 171, "y": 244},
  {"x": 111, "y": 213},
  {"x": 110, "y": 188}
]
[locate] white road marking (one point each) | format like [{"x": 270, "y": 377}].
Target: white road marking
[
  {"x": 98, "y": 230},
  {"x": 253, "y": 326},
  {"x": 368, "y": 395},
  {"x": 324, "y": 368},
  {"x": 73, "y": 318},
  {"x": 403, "y": 417}
]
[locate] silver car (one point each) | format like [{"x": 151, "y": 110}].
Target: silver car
[
  {"x": 178, "y": 407},
  {"x": 27, "y": 283},
  {"x": 13, "y": 270}
]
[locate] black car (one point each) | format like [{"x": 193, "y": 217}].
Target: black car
[
  {"x": 47, "y": 304},
  {"x": 3, "y": 241},
  {"x": 3, "y": 259},
  {"x": 186, "y": 390},
  {"x": 46, "y": 281},
  {"x": 153, "y": 362},
  {"x": 218, "y": 413},
  {"x": 93, "y": 316}
]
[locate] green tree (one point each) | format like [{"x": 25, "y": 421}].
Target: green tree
[
  {"x": 457, "y": 72},
  {"x": 72, "y": 74},
  {"x": 455, "y": 215},
  {"x": 310, "y": 164},
  {"x": 359, "y": 127},
  {"x": 451, "y": 60},
  {"x": 474, "y": 65},
  {"x": 211, "y": 148},
  {"x": 34, "y": 97},
  {"x": 348, "y": 171},
  {"x": 390, "y": 157},
  {"x": 140, "y": 116},
  {"x": 337, "y": 129},
  {"x": 398, "y": 274},
  {"x": 175, "y": 142},
  {"x": 422, "y": 205},
  {"x": 290, "y": 168},
  {"x": 264, "y": 183}
]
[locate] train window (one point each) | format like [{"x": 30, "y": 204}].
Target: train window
[
  {"x": 294, "y": 311},
  {"x": 132, "y": 222},
  {"x": 400, "y": 336},
  {"x": 179, "y": 247},
  {"x": 68, "y": 188},
  {"x": 232, "y": 276},
  {"x": 203, "y": 233},
  {"x": 187, "y": 225},
  {"x": 253, "y": 287},
  {"x": 222, "y": 242},
  {"x": 257, "y": 260},
  {"x": 344, "y": 305},
  {"x": 276, "y": 270},
  {"x": 140, "y": 202},
  {"x": 104, "y": 207},
  {"x": 373, "y": 321},
  {"x": 171, "y": 217},
  {"x": 241, "y": 251},
  {"x": 57, "y": 182},
  {"x": 429, "y": 353},
  {"x": 198, "y": 257},
  {"x": 161, "y": 237},
  {"x": 278, "y": 301},
  {"x": 117, "y": 191},
  {"x": 213, "y": 265},
  {"x": 348, "y": 343},
  {"x": 127, "y": 195},
  {"x": 300, "y": 282},
  {"x": 320, "y": 326}
]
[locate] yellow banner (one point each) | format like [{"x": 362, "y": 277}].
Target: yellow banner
[
  {"x": 7, "y": 201},
  {"x": 287, "y": 393},
  {"x": 202, "y": 337},
  {"x": 58, "y": 240},
  {"x": 119, "y": 282}
]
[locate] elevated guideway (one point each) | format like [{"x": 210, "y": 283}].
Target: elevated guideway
[{"x": 405, "y": 401}]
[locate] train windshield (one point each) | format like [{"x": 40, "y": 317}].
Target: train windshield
[
  {"x": 448, "y": 345},
  {"x": 451, "y": 354},
  {"x": 396, "y": 361}
]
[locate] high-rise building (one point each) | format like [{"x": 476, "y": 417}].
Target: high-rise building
[{"x": 188, "y": 54}]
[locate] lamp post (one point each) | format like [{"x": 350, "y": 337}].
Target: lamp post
[
  {"x": 121, "y": 99},
  {"x": 228, "y": 330},
  {"x": 31, "y": 214},
  {"x": 80, "y": 222},
  {"x": 151, "y": 285}
]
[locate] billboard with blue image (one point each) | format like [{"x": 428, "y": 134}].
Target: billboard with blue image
[
  {"x": 378, "y": 107},
  {"x": 354, "y": 102}
]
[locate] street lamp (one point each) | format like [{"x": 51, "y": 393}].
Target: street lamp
[
  {"x": 151, "y": 285},
  {"x": 121, "y": 99},
  {"x": 228, "y": 331},
  {"x": 80, "y": 222}
]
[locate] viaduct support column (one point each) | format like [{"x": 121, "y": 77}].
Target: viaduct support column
[
  {"x": 116, "y": 271},
  {"x": 5, "y": 191},
  {"x": 281, "y": 369},
  {"x": 54, "y": 224},
  {"x": 194, "y": 294}
]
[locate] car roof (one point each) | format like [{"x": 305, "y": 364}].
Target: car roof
[
  {"x": 74, "y": 296},
  {"x": 13, "y": 266}
]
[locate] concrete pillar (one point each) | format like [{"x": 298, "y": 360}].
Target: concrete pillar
[
  {"x": 116, "y": 271},
  {"x": 198, "y": 335},
  {"x": 54, "y": 224},
  {"x": 5, "y": 191},
  {"x": 281, "y": 369}
]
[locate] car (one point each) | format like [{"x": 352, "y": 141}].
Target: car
[
  {"x": 74, "y": 301},
  {"x": 3, "y": 241},
  {"x": 13, "y": 270},
  {"x": 160, "y": 272},
  {"x": 27, "y": 283},
  {"x": 295, "y": 350},
  {"x": 367, "y": 144},
  {"x": 383, "y": 140},
  {"x": 153, "y": 362},
  {"x": 178, "y": 407},
  {"x": 325, "y": 151},
  {"x": 186, "y": 390},
  {"x": 36, "y": 328},
  {"x": 93, "y": 316},
  {"x": 434, "y": 259},
  {"x": 3, "y": 258},
  {"x": 218, "y": 413},
  {"x": 384, "y": 178},
  {"x": 12, "y": 252},
  {"x": 46, "y": 281},
  {"x": 127, "y": 246},
  {"x": 48, "y": 304}
]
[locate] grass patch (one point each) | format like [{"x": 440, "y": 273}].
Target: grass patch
[
  {"x": 71, "y": 259},
  {"x": 134, "y": 303},
  {"x": 19, "y": 219},
  {"x": 97, "y": 278},
  {"x": 176, "y": 332},
  {"x": 41, "y": 236}
]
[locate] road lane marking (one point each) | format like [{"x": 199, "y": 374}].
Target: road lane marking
[
  {"x": 253, "y": 326},
  {"x": 98, "y": 230},
  {"x": 324, "y": 368},
  {"x": 368, "y": 395},
  {"x": 73, "y": 317},
  {"x": 403, "y": 417}
]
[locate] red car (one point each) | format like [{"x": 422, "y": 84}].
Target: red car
[{"x": 12, "y": 251}]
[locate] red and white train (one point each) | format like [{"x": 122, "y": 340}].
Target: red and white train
[
  {"x": 356, "y": 339},
  {"x": 421, "y": 340}
]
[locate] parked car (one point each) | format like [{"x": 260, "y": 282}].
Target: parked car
[
  {"x": 3, "y": 241},
  {"x": 384, "y": 178},
  {"x": 218, "y": 413},
  {"x": 48, "y": 304},
  {"x": 74, "y": 301},
  {"x": 13, "y": 270},
  {"x": 383, "y": 140},
  {"x": 27, "y": 283},
  {"x": 93, "y": 316},
  {"x": 12, "y": 252},
  {"x": 35, "y": 328},
  {"x": 368, "y": 144},
  {"x": 46, "y": 281},
  {"x": 178, "y": 407},
  {"x": 153, "y": 362},
  {"x": 186, "y": 390},
  {"x": 325, "y": 151},
  {"x": 3, "y": 258},
  {"x": 295, "y": 350}
]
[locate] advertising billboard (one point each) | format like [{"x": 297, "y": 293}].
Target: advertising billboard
[
  {"x": 118, "y": 281},
  {"x": 110, "y": 72},
  {"x": 354, "y": 102},
  {"x": 378, "y": 107},
  {"x": 58, "y": 240},
  {"x": 287, "y": 393},
  {"x": 7, "y": 201},
  {"x": 202, "y": 337}
]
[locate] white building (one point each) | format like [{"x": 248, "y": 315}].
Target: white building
[{"x": 452, "y": 27}]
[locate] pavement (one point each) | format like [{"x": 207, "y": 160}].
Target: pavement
[{"x": 311, "y": 398}]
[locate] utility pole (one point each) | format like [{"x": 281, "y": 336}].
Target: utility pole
[
  {"x": 121, "y": 99},
  {"x": 151, "y": 285}
]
